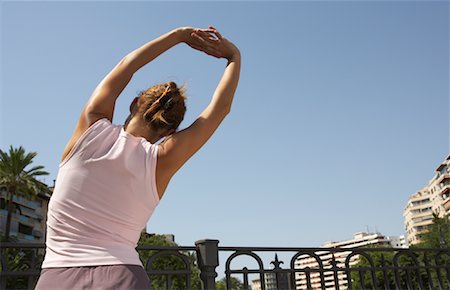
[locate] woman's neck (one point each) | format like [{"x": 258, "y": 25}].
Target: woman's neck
[{"x": 138, "y": 129}]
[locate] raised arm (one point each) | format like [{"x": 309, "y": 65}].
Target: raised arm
[
  {"x": 103, "y": 99},
  {"x": 179, "y": 147}
]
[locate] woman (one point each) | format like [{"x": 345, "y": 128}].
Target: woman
[{"x": 112, "y": 177}]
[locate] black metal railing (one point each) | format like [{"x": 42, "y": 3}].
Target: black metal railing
[
  {"x": 342, "y": 268},
  {"x": 261, "y": 267}
]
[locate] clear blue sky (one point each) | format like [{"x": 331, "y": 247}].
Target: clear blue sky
[{"x": 342, "y": 110}]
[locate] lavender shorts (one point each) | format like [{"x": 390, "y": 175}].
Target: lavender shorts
[{"x": 113, "y": 277}]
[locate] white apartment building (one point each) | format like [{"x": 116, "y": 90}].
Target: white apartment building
[
  {"x": 398, "y": 241},
  {"x": 439, "y": 188},
  {"x": 434, "y": 198},
  {"x": 418, "y": 215},
  {"x": 256, "y": 284},
  {"x": 28, "y": 221},
  {"x": 361, "y": 239},
  {"x": 270, "y": 281}
]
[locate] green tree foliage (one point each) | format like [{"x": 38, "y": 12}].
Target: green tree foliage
[
  {"x": 18, "y": 260},
  {"x": 17, "y": 179},
  {"x": 361, "y": 273},
  {"x": 168, "y": 261},
  {"x": 235, "y": 284},
  {"x": 221, "y": 285},
  {"x": 437, "y": 237}
]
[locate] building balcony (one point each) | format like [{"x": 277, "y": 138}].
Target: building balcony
[
  {"x": 22, "y": 201},
  {"x": 443, "y": 178},
  {"x": 420, "y": 199},
  {"x": 25, "y": 202},
  {"x": 420, "y": 232},
  {"x": 419, "y": 205},
  {"x": 441, "y": 166},
  {"x": 26, "y": 221},
  {"x": 25, "y": 237},
  {"x": 422, "y": 214},
  {"x": 28, "y": 212},
  {"x": 446, "y": 204},
  {"x": 38, "y": 233},
  {"x": 424, "y": 220},
  {"x": 445, "y": 190},
  {"x": 422, "y": 210}
]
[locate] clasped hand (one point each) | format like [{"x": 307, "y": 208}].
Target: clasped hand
[{"x": 209, "y": 41}]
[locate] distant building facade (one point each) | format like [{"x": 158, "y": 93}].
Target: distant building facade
[
  {"x": 398, "y": 241},
  {"x": 28, "y": 220},
  {"x": 418, "y": 215},
  {"x": 361, "y": 239},
  {"x": 270, "y": 280},
  {"x": 439, "y": 188},
  {"x": 434, "y": 198},
  {"x": 256, "y": 284}
]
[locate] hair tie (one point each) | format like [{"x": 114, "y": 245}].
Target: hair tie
[{"x": 167, "y": 104}]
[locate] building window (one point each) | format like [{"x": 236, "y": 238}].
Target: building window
[{"x": 24, "y": 229}]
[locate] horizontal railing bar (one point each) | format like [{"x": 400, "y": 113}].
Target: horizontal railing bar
[
  {"x": 163, "y": 248},
  {"x": 22, "y": 245},
  {"x": 250, "y": 271},
  {"x": 409, "y": 267},
  {"x": 13, "y": 273},
  {"x": 42, "y": 246},
  {"x": 289, "y": 249},
  {"x": 318, "y": 270},
  {"x": 358, "y": 269},
  {"x": 168, "y": 272},
  {"x": 254, "y": 249}
]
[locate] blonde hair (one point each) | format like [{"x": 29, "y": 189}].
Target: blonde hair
[{"x": 162, "y": 106}]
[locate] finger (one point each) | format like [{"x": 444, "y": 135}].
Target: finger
[
  {"x": 216, "y": 32},
  {"x": 206, "y": 30},
  {"x": 207, "y": 35},
  {"x": 205, "y": 45},
  {"x": 197, "y": 37}
]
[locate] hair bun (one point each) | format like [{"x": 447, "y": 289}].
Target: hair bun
[
  {"x": 172, "y": 86},
  {"x": 163, "y": 106}
]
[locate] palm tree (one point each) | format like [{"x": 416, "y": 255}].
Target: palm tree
[{"x": 17, "y": 180}]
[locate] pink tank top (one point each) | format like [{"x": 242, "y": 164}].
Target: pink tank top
[{"x": 104, "y": 195}]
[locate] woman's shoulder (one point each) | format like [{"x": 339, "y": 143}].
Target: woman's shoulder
[{"x": 98, "y": 134}]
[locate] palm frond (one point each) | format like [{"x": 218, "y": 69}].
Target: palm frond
[
  {"x": 36, "y": 170},
  {"x": 14, "y": 172}
]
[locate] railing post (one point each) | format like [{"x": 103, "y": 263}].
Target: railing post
[{"x": 208, "y": 260}]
